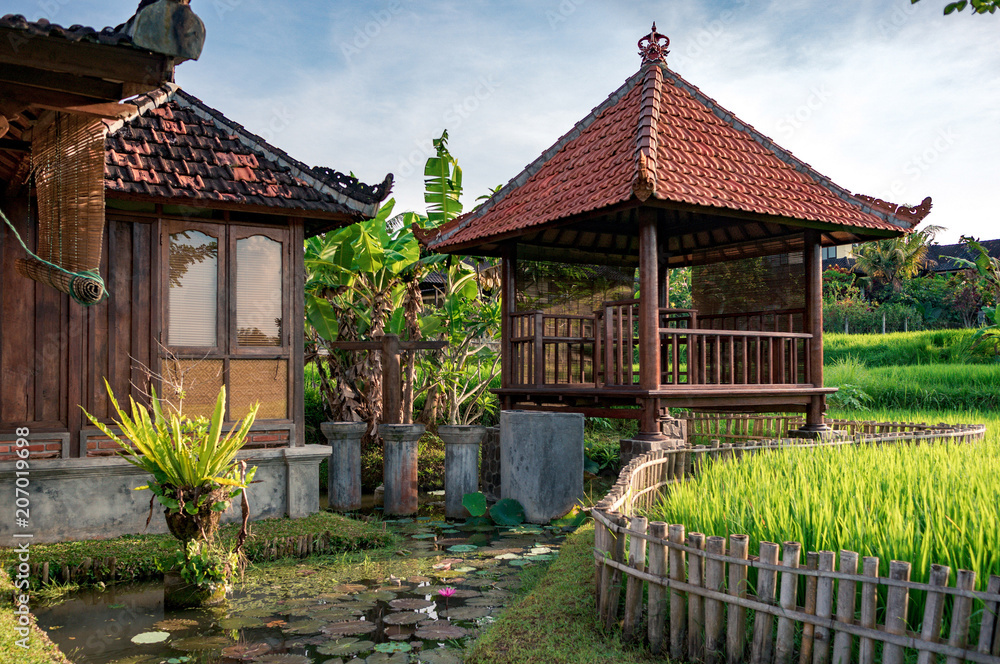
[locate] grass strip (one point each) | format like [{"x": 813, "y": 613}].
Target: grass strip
[
  {"x": 556, "y": 622},
  {"x": 40, "y": 649},
  {"x": 136, "y": 555},
  {"x": 908, "y": 348}
]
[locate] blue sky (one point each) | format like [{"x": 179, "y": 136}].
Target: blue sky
[{"x": 887, "y": 98}]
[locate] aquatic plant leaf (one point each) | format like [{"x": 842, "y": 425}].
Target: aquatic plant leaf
[
  {"x": 465, "y": 593},
  {"x": 283, "y": 658},
  {"x": 439, "y": 656},
  {"x": 410, "y": 604},
  {"x": 394, "y": 646},
  {"x": 450, "y": 531},
  {"x": 240, "y": 622},
  {"x": 465, "y": 613},
  {"x": 421, "y": 536},
  {"x": 150, "y": 637},
  {"x": 199, "y": 643},
  {"x": 404, "y": 618},
  {"x": 418, "y": 579},
  {"x": 349, "y": 628},
  {"x": 574, "y": 519},
  {"x": 462, "y": 548},
  {"x": 348, "y": 646},
  {"x": 440, "y": 630},
  {"x": 475, "y": 503},
  {"x": 349, "y": 588},
  {"x": 175, "y": 624},
  {"x": 507, "y": 512},
  {"x": 246, "y": 651},
  {"x": 304, "y": 627},
  {"x": 386, "y": 658}
]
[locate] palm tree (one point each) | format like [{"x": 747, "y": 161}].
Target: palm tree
[{"x": 890, "y": 262}]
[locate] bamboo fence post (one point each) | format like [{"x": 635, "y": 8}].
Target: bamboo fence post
[
  {"x": 846, "y": 593},
  {"x": 808, "y": 629},
  {"x": 736, "y": 623},
  {"x": 677, "y": 573},
  {"x": 633, "y": 588},
  {"x": 715, "y": 579},
  {"x": 824, "y": 608},
  {"x": 614, "y": 578},
  {"x": 990, "y": 623},
  {"x": 763, "y": 624},
  {"x": 789, "y": 588},
  {"x": 45, "y": 573},
  {"x": 601, "y": 548},
  {"x": 930, "y": 627},
  {"x": 657, "y": 612},
  {"x": 869, "y": 597},
  {"x": 696, "y": 610},
  {"x": 895, "y": 611},
  {"x": 961, "y": 613},
  {"x": 609, "y": 540}
]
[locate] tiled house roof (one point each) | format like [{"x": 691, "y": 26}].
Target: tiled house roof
[
  {"x": 660, "y": 137},
  {"x": 42, "y": 28},
  {"x": 941, "y": 256},
  {"x": 175, "y": 147}
]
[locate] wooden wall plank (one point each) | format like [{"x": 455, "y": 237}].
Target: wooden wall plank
[
  {"x": 142, "y": 249},
  {"x": 17, "y": 348}
]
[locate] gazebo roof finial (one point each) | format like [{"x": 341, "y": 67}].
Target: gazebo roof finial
[{"x": 653, "y": 47}]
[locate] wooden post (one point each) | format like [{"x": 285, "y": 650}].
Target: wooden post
[
  {"x": 736, "y": 623},
  {"x": 808, "y": 629},
  {"x": 613, "y": 578},
  {"x": 633, "y": 587},
  {"x": 846, "y": 591},
  {"x": 657, "y": 612},
  {"x": 696, "y": 611},
  {"x": 649, "y": 324},
  {"x": 677, "y": 573},
  {"x": 392, "y": 381},
  {"x": 789, "y": 588},
  {"x": 761, "y": 650},
  {"x": 812, "y": 252},
  {"x": 930, "y": 628},
  {"x": 895, "y": 611},
  {"x": 990, "y": 622},
  {"x": 508, "y": 295},
  {"x": 824, "y": 608},
  {"x": 715, "y": 579},
  {"x": 539, "y": 349},
  {"x": 961, "y": 614}
]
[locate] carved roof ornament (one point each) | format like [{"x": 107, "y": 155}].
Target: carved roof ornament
[
  {"x": 914, "y": 215},
  {"x": 653, "y": 47}
]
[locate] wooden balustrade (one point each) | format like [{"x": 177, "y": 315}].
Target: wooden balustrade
[
  {"x": 780, "y": 320},
  {"x": 731, "y": 357},
  {"x": 552, "y": 349}
]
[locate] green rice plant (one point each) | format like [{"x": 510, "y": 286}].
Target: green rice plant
[{"x": 932, "y": 503}]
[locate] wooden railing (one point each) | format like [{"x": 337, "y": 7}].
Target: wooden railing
[
  {"x": 698, "y": 594},
  {"x": 729, "y": 357},
  {"x": 780, "y": 320},
  {"x": 552, "y": 349}
]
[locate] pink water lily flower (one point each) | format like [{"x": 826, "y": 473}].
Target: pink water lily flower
[{"x": 446, "y": 592}]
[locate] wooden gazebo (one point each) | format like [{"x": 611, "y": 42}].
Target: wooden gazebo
[{"x": 660, "y": 176}]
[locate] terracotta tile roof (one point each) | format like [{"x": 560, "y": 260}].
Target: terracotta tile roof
[
  {"x": 659, "y": 136},
  {"x": 42, "y": 28},
  {"x": 176, "y": 147}
]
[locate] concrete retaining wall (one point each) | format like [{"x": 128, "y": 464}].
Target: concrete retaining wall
[{"x": 73, "y": 499}]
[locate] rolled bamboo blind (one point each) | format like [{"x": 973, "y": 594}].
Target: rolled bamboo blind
[{"x": 68, "y": 165}]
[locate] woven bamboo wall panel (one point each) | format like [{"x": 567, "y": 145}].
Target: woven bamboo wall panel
[
  {"x": 253, "y": 381},
  {"x": 200, "y": 381},
  {"x": 67, "y": 158}
]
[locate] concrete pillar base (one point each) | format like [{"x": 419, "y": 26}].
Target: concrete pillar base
[
  {"x": 344, "y": 477},
  {"x": 815, "y": 433},
  {"x": 400, "y": 466},
  {"x": 541, "y": 462},
  {"x": 461, "y": 465}
]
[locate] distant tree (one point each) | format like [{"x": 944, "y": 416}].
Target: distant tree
[
  {"x": 890, "y": 262},
  {"x": 978, "y": 6}
]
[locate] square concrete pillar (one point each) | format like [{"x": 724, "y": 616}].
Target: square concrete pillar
[{"x": 541, "y": 462}]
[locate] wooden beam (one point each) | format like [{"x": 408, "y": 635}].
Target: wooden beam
[
  {"x": 508, "y": 292},
  {"x": 649, "y": 322},
  {"x": 87, "y": 86}
]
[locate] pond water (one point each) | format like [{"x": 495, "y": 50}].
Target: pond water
[{"x": 304, "y": 613}]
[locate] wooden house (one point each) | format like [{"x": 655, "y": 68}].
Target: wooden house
[
  {"x": 194, "y": 236},
  {"x": 661, "y": 176}
]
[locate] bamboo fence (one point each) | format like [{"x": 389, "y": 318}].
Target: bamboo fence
[{"x": 699, "y": 606}]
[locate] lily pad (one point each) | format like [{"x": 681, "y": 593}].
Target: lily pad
[
  {"x": 175, "y": 624},
  {"x": 150, "y": 637},
  {"x": 520, "y": 563},
  {"x": 349, "y": 588},
  {"x": 376, "y": 596},
  {"x": 283, "y": 658},
  {"x": 475, "y": 503},
  {"x": 386, "y": 658},
  {"x": 508, "y": 556},
  {"x": 539, "y": 550},
  {"x": 507, "y": 512},
  {"x": 440, "y": 630},
  {"x": 337, "y": 614},
  {"x": 439, "y": 656},
  {"x": 410, "y": 604},
  {"x": 420, "y": 536},
  {"x": 465, "y": 612},
  {"x": 462, "y": 548},
  {"x": 257, "y": 613},
  {"x": 349, "y": 628},
  {"x": 404, "y": 618},
  {"x": 304, "y": 627},
  {"x": 418, "y": 579},
  {"x": 199, "y": 643},
  {"x": 239, "y": 622},
  {"x": 465, "y": 593},
  {"x": 393, "y": 646},
  {"x": 246, "y": 651},
  {"x": 348, "y": 646},
  {"x": 450, "y": 531}
]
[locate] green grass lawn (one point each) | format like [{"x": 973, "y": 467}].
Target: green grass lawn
[{"x": 908, "y": 348}]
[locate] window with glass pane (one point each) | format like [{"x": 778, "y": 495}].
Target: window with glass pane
[
  {"x": 193, "y": 303},
  {"x": 258, "y": 291}
]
